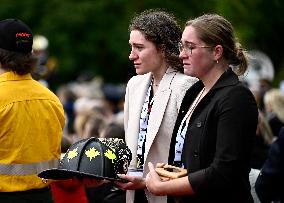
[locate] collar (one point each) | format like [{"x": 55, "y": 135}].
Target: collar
[
  {"x": 171, "y": 70},
  {"x": 228, "y": 78},
  {"x": 167, "y": 79},
  {"x": 12, "y": 76}
]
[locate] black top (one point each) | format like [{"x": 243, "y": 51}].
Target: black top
[
  {"x": 269, "y": 184},
  {"x": 219, "y": 140},
  {"x": 275, "y": 123}
]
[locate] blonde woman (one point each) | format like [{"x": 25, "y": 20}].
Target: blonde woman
[{"x": 274, "y": 108}]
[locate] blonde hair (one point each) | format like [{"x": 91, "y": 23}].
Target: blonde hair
[
  {"x": 264, "y": 129},
  {"x": 274, "y": 102}
]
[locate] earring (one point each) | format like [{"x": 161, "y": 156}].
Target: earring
[{"x": 217, "y": 61}]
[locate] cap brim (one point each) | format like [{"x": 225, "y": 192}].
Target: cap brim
[{"x": 64, "y": 174}]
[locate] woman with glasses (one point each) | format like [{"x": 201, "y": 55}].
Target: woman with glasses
[
  {"x": 153, "y": 97},
  {"x": 216, "y": 124}
]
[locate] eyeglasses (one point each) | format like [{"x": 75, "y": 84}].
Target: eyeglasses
[{"x": 189, "y": 47}]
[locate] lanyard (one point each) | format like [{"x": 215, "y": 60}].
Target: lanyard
[
  {"x": 144, "y": 117},
  {"x": 183, "y": 129}
]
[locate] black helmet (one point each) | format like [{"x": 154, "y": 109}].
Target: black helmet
[{"x": 102, "y": 158}]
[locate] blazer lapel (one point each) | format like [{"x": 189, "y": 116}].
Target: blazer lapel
[
  {"x": 136, "y": 103},
  {"x": 159, "y": 107}
]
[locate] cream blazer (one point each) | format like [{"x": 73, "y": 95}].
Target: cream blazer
[{"x": 167, "y": 101}]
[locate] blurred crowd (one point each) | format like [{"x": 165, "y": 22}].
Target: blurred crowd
[{"x": 92, "y": 109}]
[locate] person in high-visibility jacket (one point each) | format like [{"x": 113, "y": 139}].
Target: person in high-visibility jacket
[{"x": 31, "y": 119}]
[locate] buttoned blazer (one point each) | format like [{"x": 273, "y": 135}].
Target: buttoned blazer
[
  {"x": 161, "y": 121},
  {"x": 218, "y": 141}
]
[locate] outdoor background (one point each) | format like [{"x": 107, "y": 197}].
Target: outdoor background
[{"x": 90, "y": 38}]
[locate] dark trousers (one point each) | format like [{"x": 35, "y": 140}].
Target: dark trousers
[
  {"x": 140, "y": 196},
  {"x": 29, "y": 196}
]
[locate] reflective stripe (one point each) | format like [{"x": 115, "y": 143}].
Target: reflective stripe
[{"x": 27, "y": 169}]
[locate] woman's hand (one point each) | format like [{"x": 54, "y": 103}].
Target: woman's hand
[
  {"x": 133, "y": 182},
  {"x": 175, "y": 187},
  {"x": 153, "y": 180}
]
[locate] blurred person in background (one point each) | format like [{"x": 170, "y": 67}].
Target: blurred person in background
[
  {"x": 46, "y": 65},
  {"x": 274, "y": 109},
  {"x": 216, "y": 125},
  {"x": 114, "y": 97},
  {"x": 31, "y": 117},
  {"x": 113, "y": 130},
  {"x": 269, "y": 183},
  {"x": 67, "y": 98},
  {"x": 91, "y": 118},
  {"x": 90, "y": 122},
  {"x": 263, "y": 140},
  {"x": 153, "y": 97},
  {"x": 108, "y": 192},
  {"x": 94, "y": 125},
  {"x": 40, "y": 45}
]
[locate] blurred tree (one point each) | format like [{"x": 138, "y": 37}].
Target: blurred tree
[
  {"x": 92, "y": 35},
  {"x": 260, "y": 25}
]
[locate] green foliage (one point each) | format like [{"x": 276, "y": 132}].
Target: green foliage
[{"x": 92, "y": 35}]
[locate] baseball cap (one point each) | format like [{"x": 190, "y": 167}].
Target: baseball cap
[
  {"x": 15, "y": 36},
  {"x": 100, "y": 158}
]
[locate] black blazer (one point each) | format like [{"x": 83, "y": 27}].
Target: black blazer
[
  {"x": 270, "y": 182},
  {"x": 219, "y": 140}
]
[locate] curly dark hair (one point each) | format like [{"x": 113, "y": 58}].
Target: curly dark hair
[
  {"x": 162, "y": 29},
  {"x": 20, "y": 63}
]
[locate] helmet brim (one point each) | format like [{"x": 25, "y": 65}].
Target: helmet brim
[{"x": 64, "y": 174}]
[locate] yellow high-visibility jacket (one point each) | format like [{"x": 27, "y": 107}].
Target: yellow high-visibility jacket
[{"x": 31, "y": 126}]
